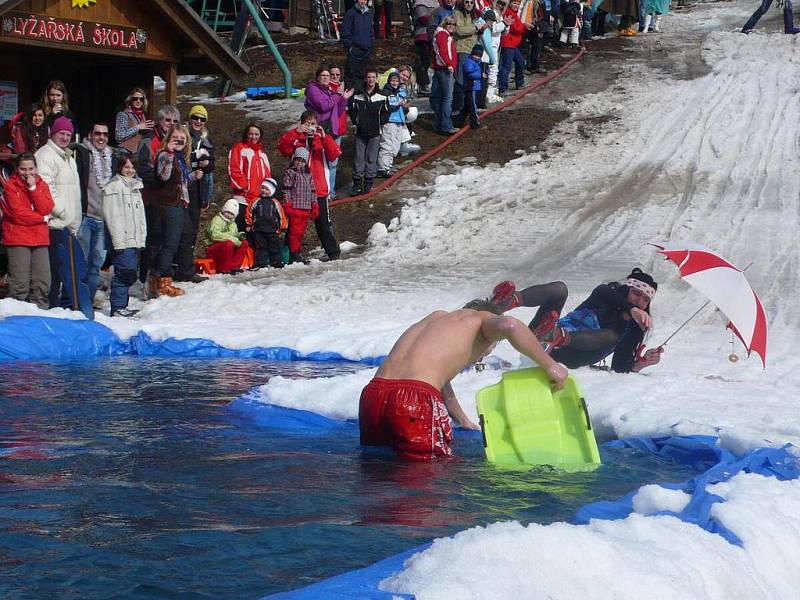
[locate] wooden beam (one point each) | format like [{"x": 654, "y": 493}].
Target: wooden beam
[{"x": 169, "y": 73}]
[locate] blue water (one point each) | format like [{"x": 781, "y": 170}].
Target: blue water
[{"x": 130, "y": 478}]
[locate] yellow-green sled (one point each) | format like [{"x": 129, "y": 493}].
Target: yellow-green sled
[{"x": 525, "y": 423}]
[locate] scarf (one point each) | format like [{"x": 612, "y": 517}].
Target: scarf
[
  {"x": 101, "y": 162},
  {"x": 138, "y": 113},
  {"x": 182, "y": 163}
]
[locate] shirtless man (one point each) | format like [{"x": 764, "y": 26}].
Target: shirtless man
[{"x": 409, "y": 403}]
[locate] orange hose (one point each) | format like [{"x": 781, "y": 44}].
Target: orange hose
[{"x": 387, "y": 183}]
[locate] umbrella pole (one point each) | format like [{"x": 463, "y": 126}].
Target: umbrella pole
[{"x": 686, "y": 322}]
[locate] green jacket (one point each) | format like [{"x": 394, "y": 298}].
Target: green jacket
[
  {"x": 465, "y": 34},
  {"x": 221, "y": 230}
]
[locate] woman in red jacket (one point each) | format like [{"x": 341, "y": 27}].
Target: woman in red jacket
[
  {"x": 27, "y": 203},
  {"x": 248, "y": 166},
  {"x": 322, "y": 150},
  {"x": 510, "y": 41}
]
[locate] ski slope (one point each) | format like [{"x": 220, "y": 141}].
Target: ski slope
[{"x": 711, "y": 159}]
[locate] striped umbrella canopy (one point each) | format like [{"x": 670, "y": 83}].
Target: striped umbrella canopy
[{"x": 726, "y": 287}]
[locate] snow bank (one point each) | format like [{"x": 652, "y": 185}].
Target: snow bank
[{"x": 654, "y": 557}]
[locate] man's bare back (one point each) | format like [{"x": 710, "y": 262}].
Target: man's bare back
[
  {"x": 443, "y": 344},
  {"x": 438, "y": 347}
]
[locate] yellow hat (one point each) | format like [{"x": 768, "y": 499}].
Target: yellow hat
[{"x": 199, "y": 110}]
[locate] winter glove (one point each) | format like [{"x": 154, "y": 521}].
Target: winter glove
[{"x": 314, "y": 210}]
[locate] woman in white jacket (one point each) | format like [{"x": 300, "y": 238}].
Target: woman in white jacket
[{"x": 123, "y": 213}]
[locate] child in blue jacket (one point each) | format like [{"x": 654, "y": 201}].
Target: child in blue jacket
[{"x": 473, "y": 74}]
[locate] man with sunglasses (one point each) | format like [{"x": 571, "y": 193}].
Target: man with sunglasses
[{"x": 96, "y": 166}]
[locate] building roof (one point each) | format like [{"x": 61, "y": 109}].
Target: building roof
[{"x": 204, "y": 51}]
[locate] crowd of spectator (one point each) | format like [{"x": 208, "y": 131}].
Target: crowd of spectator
[{"x": 72, "y": 205}]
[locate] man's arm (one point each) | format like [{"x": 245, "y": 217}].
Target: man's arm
[
  {"x": 499, "y": 327},
  {"x": 454, "y": 408}
]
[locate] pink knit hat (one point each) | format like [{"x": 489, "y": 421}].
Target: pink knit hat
[{"x": 62, "y": 124}]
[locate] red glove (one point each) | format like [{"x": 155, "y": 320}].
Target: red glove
[
  {"x": 314, "y": 210},
  {"x": 288, "y": 208}
]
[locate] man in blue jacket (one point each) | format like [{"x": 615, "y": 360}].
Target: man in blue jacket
[{"x": 357, "y": 37}]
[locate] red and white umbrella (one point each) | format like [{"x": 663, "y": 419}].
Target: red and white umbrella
[{"x": 726, "y": 287}]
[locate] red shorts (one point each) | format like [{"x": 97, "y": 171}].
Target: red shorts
[{"x": 407, "y": 415}]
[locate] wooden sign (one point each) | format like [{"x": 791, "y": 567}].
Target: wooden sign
[
  {"x": 68, "y": 32},
  {"x": 82, "y": 3}
]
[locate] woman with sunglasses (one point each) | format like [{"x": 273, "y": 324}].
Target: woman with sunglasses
[
  {"x": 132, "y": 122},
  {"x": 203, "y": 159}
]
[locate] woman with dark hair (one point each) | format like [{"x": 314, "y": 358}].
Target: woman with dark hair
[
  {"x": 614, "y": 318},
  {"x": 248, "y": 166},
  {"x": 55, "y": 103},
  {"x": 123, "y": 212},
  {"x": 31, "y": 133},
  {"x": 26, "y": 204},
  {"x": 132, "y": 123}
]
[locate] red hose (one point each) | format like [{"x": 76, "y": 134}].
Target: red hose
[{"x": 387, "y": 183}]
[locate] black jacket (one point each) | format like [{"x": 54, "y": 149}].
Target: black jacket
[
  {"x": 609, "y": 303},
  {"x": 266, "y": 216},
  {"x": 369, "y": 112}
]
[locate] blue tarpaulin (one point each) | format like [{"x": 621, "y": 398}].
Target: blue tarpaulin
[{"x": 45, "y": 338}]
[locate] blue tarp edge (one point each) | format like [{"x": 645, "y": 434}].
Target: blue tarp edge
[
  {"x": 701, "y": 451},
  {"x": 46, "y": 338}
]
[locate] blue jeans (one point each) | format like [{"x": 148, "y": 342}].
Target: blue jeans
[
  {"x": 168, "y": 223},
  {"x": 126, "y": 269},
  {"x": 68, "y": 274},
  {"x": 459, "y": 84},
  {"x": 92, "y": 238},
  {"x": 788, "y": 17},
  {"x": 507, "y": 57},
  {"x": 442, "y": 100},
  {"x": 332, "y": 166}
]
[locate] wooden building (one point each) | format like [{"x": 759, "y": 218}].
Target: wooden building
[{"x": 102, "y": 49}]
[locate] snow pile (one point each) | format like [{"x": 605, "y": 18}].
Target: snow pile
[
  {"x": 654, "y": 557},
  {"x": 651, "y": 499}
]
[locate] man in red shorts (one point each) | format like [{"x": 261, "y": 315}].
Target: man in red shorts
[{"x": 409, "y": 403}]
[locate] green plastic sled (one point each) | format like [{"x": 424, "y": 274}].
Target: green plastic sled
[{"x": 525, "y": 423}]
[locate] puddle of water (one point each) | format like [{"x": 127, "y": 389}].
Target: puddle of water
[{"x": 129, "y": 477}]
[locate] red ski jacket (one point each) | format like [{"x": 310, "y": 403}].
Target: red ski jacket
[
  {"x": 248, "y": 166},
  {"x": 24, "y": 211},
  {"x": 322, "y": 150},
  {"x": 514, "y": 35}
]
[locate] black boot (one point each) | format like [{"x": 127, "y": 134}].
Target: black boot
[
  {"x": 367, "y": 184},
  {"x": 358, "y": 186}
]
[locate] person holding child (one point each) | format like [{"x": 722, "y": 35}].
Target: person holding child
[
  {"x": 299, "y": 201},
  {"x": 223, "y": 241},
  {"x": 323, "y": 150},
  {"x": 123, "y": 214},
  {"x": 269, "y": 222},
  {"x": 26, "y": 205}
]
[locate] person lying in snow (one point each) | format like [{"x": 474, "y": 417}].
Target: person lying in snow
[
  {"x": 409, "y": 402},
  {"x": 614, "y": 318}
]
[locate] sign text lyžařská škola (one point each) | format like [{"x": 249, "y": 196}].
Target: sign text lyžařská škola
[{"x": 74, "y": 33}]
